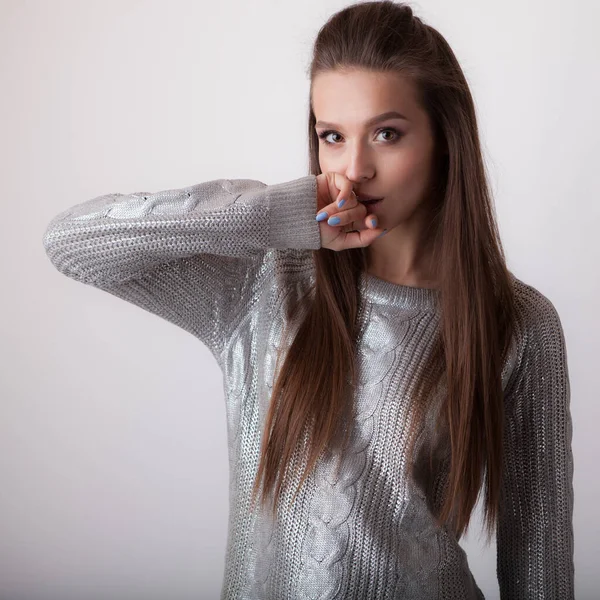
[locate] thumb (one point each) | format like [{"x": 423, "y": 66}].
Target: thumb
[{"x": 363, "y": 237}]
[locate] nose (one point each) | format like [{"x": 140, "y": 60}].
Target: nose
[{"x": 360, "y": 167}]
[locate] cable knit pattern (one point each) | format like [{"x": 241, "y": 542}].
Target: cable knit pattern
[{"x": 224, "y": 260}]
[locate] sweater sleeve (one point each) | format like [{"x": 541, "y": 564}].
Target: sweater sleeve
[
  {"x": 535, "y": 527},
  {"x": 189, "y": 255}
]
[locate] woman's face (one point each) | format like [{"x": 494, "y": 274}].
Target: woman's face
[{"x": 391, "y": 158}]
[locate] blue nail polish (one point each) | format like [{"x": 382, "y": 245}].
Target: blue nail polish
[
  {"x": 374, "y": 222},
  {"x": 333, "y": 221},
  {"x": 321, "y": 216},
  {"x": 342, "y": 202}
]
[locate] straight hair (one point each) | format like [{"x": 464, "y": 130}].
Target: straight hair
[{"x": 311, "y": 404}]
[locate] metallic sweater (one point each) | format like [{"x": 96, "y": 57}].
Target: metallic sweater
[{"x": 220, "y": 259}]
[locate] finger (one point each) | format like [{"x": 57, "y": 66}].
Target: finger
[
  {"x": 345, "y": 217},
  {"x": 360, "y": 239},
  {"x": 346, "y": 198},
  {"x": 341, "y": 189},
  {"x": 371, "y": 221},
  {"x": 359, "y": 225}
]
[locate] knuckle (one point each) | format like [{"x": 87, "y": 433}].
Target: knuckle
[{"x": 360, "y": 212}]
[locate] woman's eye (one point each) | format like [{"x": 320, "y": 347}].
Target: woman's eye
[
  {"x": 388, "y": 131},
  {"x": 326, "y": 134},
  {"x": 396, "y": 134}
]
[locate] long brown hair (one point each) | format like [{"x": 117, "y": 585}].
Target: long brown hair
[{"x": 311, "y": 402}]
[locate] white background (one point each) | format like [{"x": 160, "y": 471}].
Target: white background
[{"x": 113, "y": 456}]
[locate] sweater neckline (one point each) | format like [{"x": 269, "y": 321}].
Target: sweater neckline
[{"x": 381, "y": 291}]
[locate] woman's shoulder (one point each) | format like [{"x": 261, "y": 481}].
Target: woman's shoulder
[
  {"x": 538, "y": 338},
  {"x": 534, "y": 308}
]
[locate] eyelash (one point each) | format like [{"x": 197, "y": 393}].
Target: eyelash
[{"x": 324, "y": 134}]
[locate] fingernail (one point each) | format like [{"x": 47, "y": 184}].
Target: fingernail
[
  {"x": 341, "y": 202},
  {"x": 333, "y": 221},
  {"x": 384, "y": 232},
  {"x": 321, "y": 216},
  {"x": 374, "y": 222}
]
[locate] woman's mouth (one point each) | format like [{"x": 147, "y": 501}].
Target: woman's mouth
[{"x": 370, "y": 202}]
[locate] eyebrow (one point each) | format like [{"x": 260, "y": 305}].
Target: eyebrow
[{"x": 392, "y": 114}]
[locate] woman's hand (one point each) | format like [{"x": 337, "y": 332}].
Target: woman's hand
[{"x": 331, "y": 188}]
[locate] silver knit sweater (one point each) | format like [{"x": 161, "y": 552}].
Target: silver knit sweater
[{"x": 219, "y": 260}]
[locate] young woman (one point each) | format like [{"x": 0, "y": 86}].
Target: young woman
[{"x": 381, "y": 364}]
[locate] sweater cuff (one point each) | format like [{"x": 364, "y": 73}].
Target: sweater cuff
[{"x": 292, "y": 211}]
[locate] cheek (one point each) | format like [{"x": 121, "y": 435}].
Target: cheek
[
  {"x": 410, "y": 178},
  {"x": 412, "y": 170},
  {"x": 324, "y": 163}
]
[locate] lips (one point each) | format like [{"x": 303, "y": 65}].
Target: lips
[{"x": 367, "y": 199}]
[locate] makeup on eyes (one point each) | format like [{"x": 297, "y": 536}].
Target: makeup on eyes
[{"x": 397, "y": 135}]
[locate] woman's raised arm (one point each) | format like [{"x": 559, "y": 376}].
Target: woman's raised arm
[{"x": 190, "y": 255}]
